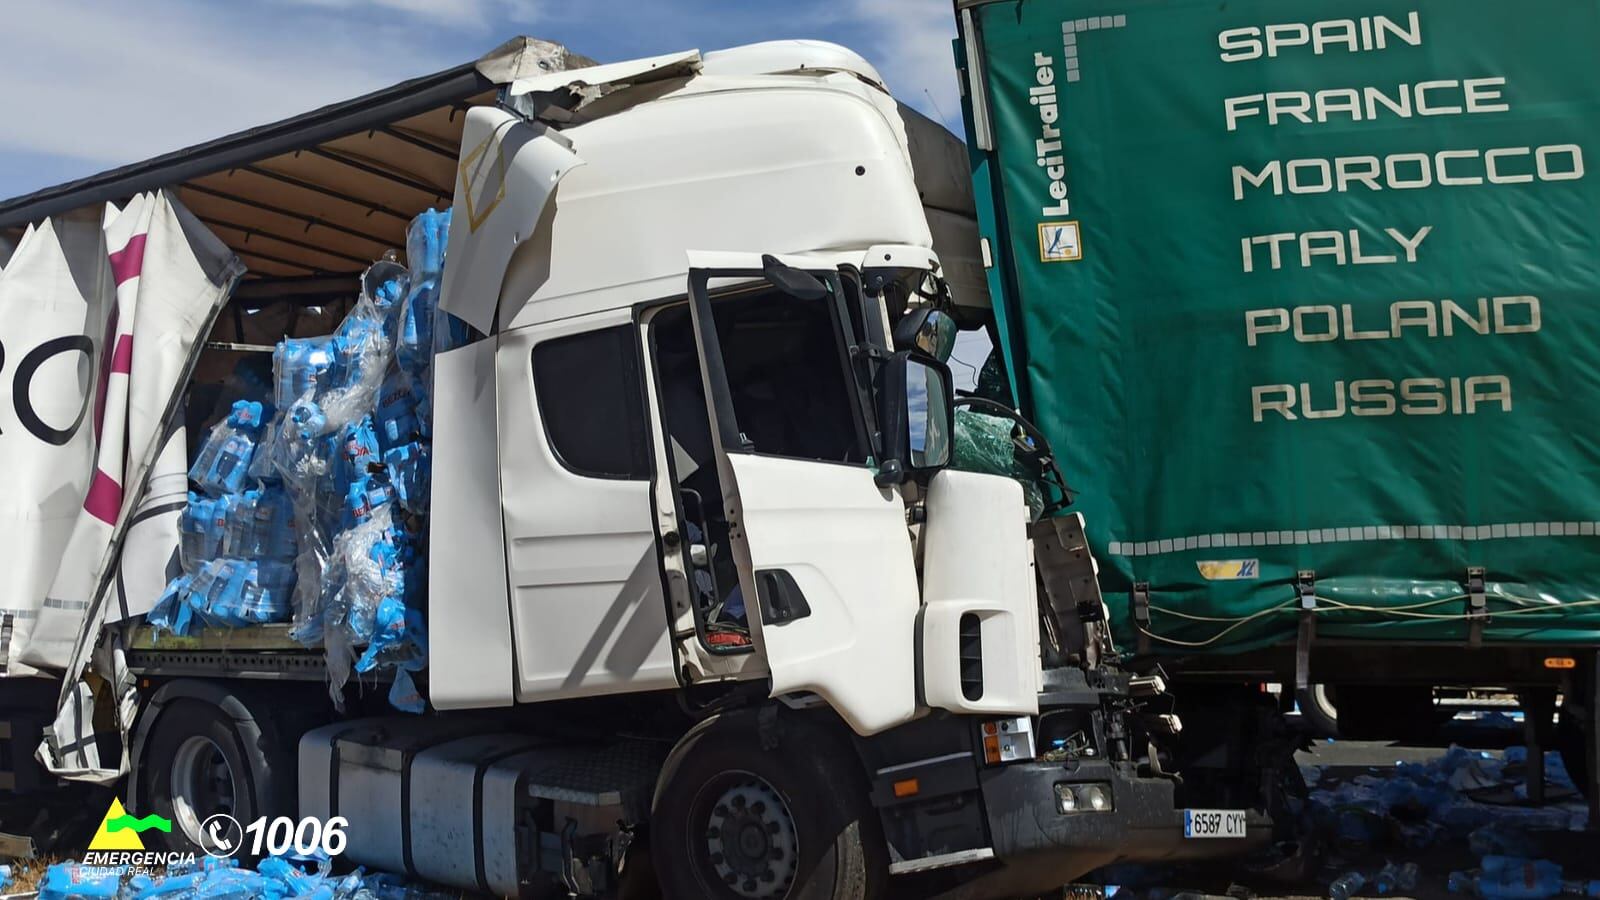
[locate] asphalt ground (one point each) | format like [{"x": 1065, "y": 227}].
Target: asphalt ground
[
  {"x": 1306, "y": 875},
  {"x": 1340, "y": 761}
]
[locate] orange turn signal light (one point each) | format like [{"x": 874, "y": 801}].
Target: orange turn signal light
[
  {"x": 1560, "y": 662},
  {"x": 907, "y": 788}
]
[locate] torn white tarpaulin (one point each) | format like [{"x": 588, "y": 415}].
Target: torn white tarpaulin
[
  {"x": 55, "y": 295},
  {"x": 172, "y": 275},
  {"x": 172, "y": 278}
]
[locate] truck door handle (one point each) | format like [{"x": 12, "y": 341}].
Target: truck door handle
[{"x": 781, "y": 598}]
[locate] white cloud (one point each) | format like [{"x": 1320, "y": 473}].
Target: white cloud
[
  {"x": 91, "y": 84},
  {"x": 476, "y": 15},
  {"x": 110, "y": 83},
  {"x": 909, "y": 42}
]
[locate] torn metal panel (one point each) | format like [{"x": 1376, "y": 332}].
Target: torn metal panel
[
  {"x": 633, "y": 71},
  {"x": 509, "y": 170}
]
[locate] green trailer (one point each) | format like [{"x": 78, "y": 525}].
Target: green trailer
[{"x": 1306, "y": 297}]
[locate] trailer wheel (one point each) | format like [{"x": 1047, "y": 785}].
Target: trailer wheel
[
  {"x": 1317, "y": 710},
  {"x": 200, "y": 757},
  {"x": 734, "y": 821}
]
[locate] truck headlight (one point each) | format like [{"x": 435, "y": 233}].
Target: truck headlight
[{"x": 1083, "y": 798}]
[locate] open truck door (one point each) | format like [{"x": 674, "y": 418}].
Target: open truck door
[{"x": 823, "y": 556}]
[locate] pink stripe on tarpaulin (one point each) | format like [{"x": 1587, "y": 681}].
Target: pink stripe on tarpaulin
[
  {"x": 105, "y": 498},
  {"x": 127, "y": 262},
  {"x": 122, "y": 357},
  {"x": 107, "y": 347}
]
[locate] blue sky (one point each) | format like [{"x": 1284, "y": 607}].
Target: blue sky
[{"x": 93, "y": 84}]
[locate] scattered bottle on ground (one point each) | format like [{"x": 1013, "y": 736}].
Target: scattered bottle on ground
[
  {"x": 1346, "y": 886},
  {"x": 1394, "y": 878},
  {"x": 1510, "y": 878}
]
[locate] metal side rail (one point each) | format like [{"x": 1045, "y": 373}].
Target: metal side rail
[{"x": 264, "y": 652}]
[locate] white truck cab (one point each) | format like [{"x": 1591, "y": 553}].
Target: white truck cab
[
  {"x": 707, "y": 607},
  {"x": 673, "y": 433}
]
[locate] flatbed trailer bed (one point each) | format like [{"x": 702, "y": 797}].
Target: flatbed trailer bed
[{"x": 264, "y": 652}]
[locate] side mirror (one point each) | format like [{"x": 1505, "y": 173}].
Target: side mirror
[
  {"x": 928, "y": 330},
  {"x": 916, "y": 414}
]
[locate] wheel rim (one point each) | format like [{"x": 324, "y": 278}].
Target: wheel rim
[
  {"x": 746, "y": 841},
  {"x": 1324, "y": 702},
  {"x": 202, "y": 784}
]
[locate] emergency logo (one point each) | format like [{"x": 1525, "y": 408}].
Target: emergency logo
[
  {"x": 1058, "y": 242},
  {"x": 120, "y": 831},
  {"x": 1228, "y": 569},
  {"x": 116, "y": 844}
]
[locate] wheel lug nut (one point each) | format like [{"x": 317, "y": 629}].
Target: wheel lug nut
[
  {"x": 738, "y": 802},
  {"x": 713, "y": 833},
  {"x": 731, "y": 878},
  {"x": 776, "y": 854},
  {"x": 758, "y": 807},
  {"x": 768, "y": 876}
]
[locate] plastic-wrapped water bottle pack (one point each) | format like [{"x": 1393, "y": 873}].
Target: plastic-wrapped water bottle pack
[
  {"x": 312, "y": 504},
  {"x": 237, "y": 540}
]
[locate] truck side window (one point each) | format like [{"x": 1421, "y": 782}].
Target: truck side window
[{"x": 591, "y": 398}]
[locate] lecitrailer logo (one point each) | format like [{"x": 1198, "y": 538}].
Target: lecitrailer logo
[{"x": 116, "y": 843}]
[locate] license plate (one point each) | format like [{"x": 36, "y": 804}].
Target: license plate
[{"x": 1213, "y": 823}]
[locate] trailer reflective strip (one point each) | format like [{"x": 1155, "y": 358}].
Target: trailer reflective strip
[
  {"x": 1301, "y": 538},
  {"x": 932, "y": 760}
]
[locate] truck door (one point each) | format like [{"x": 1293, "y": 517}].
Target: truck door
[
  {"x": 586, "y": 595},
  {"x": 822, "y": 552}
]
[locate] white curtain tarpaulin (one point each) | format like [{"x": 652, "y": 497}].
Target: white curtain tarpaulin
[
  {"x": 169, "y": 277},
  {"x": 56, "y": 294}
]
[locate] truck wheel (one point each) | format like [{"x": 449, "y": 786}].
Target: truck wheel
[
  {"x": 1317, "y": 711},
  {"x": 734, "y": 821},
  {"x": 200, "y": 759}
]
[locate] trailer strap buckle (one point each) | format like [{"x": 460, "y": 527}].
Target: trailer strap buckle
[
  {"x": 1305, "y": 590},
  {"x": 1477, "y": 606},
  {"x": 1139, "y": 602}
]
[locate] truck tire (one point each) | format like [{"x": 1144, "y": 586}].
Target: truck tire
[
  {"x": 734, "y": 821},
  {"x": 1317, "y": 710},
  {"x": 1387, "y": 712},
  {"x": 209, "y": 748}
]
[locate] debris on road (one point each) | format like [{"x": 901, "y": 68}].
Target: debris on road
[
  {"x": 1469, "y": 795},
  {"x": 212, "y": 879}
]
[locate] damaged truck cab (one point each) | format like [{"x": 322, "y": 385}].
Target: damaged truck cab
[
  {"x": 697, "y": 450},
  {"x": 709, "y": 606}
]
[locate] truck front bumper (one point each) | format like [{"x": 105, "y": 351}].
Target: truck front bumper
[{"x": 1039, "y": 848}]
